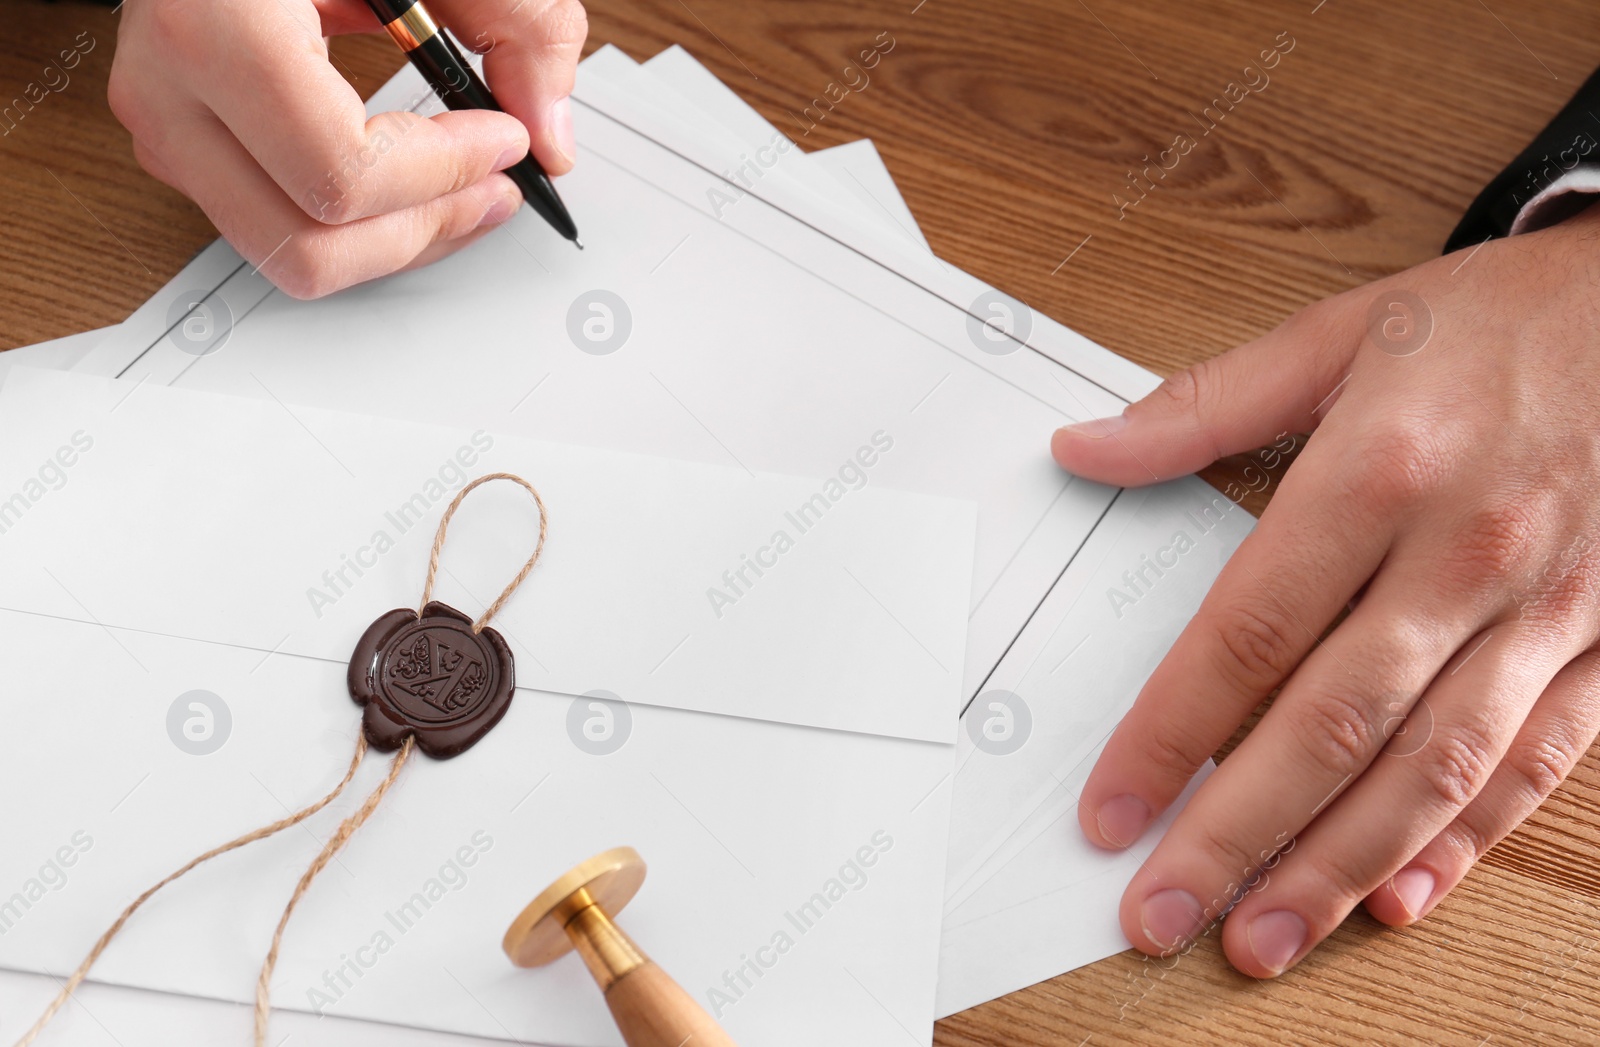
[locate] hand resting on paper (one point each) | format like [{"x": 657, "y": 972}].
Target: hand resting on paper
[
  {"x": 238, "y": 106},
  {"x": 1448, "y": 488}
]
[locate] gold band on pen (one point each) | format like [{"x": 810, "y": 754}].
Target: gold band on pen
[{"x": 412, "y": 29}]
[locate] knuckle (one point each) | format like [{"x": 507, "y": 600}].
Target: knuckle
[
  {"x": 304, "y": 284},
  {"x": 152, "y": 164},
  {"x": 447, "y": 218},
  {"x": 123, "y": 98},
  {"x": 144, "y": 157},
  {"x": 1336, "y": 882},
  {"x": 1540, "y": 765},
  {"x": 1234, "y": 862},
  {"x": 341, "y": 194},
  {"x": 1402, "y": 463},
  {"x": 1168, "y": 748},
  {"x": 566, "y": 23},
  {"x": 460, "y": 173},
  {"x": 1339, "y": 734},
  {"x": 1460, "y": 759},
  {"x": 549, "y": 25},
  {"x": 1192, "y": 395},
  {"x": 346, "y": 169},
  {"x": 1408, "y": 641},
  {"x": 1566, "y": 587},
  {"x": 172, "y": 26},
  {"x": 338, "y": 205},
  {"x": 305, "y": 269},
  {"x": 1256, "y": 645},
  {"x": 1467, "y": 839},
  {"x": 1179, "y": 393},
  {"x": 1497, "y": 541}
]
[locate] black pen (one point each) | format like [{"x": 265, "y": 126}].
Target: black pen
[{"x": 434, "y": 54}]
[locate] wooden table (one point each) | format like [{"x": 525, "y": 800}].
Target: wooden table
[{"x": 1009, "y": 126}]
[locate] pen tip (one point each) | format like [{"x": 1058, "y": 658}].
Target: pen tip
[{"x": 578, "y": 242}]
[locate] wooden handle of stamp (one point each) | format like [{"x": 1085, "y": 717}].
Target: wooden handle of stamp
[
  {"x": 574, "y": 914},
  {"x": 652, "y": 1010}
]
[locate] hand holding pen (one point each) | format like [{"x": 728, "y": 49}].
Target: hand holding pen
[{"x": 239, "y": 106}]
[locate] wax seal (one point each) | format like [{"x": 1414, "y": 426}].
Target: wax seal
[
  {"x": 430, "y": 676},
  {"x": 431, "y": 679}
]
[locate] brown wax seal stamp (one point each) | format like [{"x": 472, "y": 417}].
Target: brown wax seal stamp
[
  {"x": 430, "y": 679},
  {"x": 435, "y": 675},
  {"x": 430, "y": 676}
]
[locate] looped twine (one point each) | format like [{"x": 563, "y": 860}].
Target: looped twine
[
  {"x": 438, "y": 546},
  {"x": 347, "y": 828}
]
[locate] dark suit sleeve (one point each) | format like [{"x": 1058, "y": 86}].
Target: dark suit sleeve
[{"x": 1570, "y": 140}]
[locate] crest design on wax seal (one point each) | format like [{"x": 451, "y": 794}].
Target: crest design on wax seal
[{"x": 431, "y": 677}]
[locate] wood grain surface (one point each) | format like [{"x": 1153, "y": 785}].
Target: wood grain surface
[{"x": 1009, "y": 125}]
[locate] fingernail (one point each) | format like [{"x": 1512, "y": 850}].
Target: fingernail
[
  {"x": 1170, "y": 918},
  {"x": 1098, "y": 428},
  {"x": 559, "y": 129},
  {"x": 1276, "y": 938},
  {"x": 512, "y": 154},
  {"x": 1122, "y": 819},
  {"x": 1413, "y": 886},
  {"x": 500, "y": 210}
]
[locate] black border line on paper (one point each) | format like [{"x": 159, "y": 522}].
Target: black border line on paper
[
  {"x": 1046, "y": 358},
  {"x": 768, "y": 247}
]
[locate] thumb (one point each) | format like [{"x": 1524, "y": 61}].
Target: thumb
[
  {"x": 530, "y": 57},
  {"x": 1234, "y": 402}
]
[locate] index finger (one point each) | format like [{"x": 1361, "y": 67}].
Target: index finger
[
  {"x": 264, "y": 71},
  {"x": 1310, "y": 554}
]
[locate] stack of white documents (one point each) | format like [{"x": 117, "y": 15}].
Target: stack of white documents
[{"x": 821, "y": 630}]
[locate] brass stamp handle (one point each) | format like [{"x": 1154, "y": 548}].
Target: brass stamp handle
[{"x": 575, "y": 913}]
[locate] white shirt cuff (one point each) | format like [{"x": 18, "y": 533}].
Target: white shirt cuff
[{"x": 1559, "y": 200}]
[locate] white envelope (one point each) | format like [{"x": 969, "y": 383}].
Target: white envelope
[
  {"x": 675, "y": 583},
  {"x": 172, "y": 525}
]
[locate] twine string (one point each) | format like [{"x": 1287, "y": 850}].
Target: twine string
[
  {"x": 335, "y": 844},
  {"x": 262, "y": 833},
  {"x": 347, "y": 828},
  {"x": 438, "y": 546}
]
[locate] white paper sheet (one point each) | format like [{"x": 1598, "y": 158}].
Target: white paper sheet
[
  {"x": 734, "y": 353},
  {"x": 856, "y": 171},
  {"x": 1050, "y": 908},
  {"x": 987, "y": 951},
  {"x": 1084, "y": 657},
  {"x": 1036, "y": 899},
  {"x": 61, "y": 354},
  {"x": 816, "y": 852},
  {"x": 1026, "y": 896},
  {"x": 861, "y": 171}
]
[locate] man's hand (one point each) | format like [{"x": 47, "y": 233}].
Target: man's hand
[
  {"x": 1449, "y": 490},
  {"x": 235, "y": 104}
]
